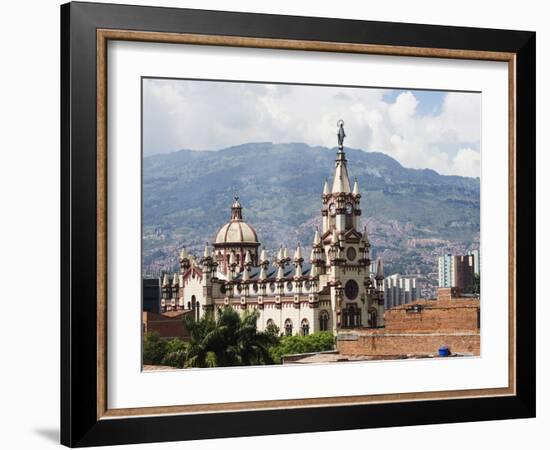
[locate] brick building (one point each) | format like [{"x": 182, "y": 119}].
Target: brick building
[
  {"x": 168, "y": 325},
  {"x": 419, "y": 329}
]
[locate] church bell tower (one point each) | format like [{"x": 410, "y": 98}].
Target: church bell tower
[{"x": 354, "y": 295}]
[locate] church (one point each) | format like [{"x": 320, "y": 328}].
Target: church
[{"x": 331, "y": 289}]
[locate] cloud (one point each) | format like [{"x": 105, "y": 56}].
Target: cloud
[
  {"x": 205, "y": 115},
  {"x": 467, "y": 162}
]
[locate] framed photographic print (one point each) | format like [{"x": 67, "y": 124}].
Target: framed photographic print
[{"x": 277, "y": 224}]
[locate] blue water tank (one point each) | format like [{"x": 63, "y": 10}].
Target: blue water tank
[{"x": 444, "y": 351}]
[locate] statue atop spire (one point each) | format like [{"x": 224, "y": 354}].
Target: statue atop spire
[
  {"x": 341, "y": 134},
  {"x": 341, "y": 182}
]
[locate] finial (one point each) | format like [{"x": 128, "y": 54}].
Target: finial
[
  {"x": 316, "y": 237},
  {"x": 341, "y": 134},
  {"x": 326, "y": 190},
  {"x": 355, "y": 187},
  {"x": 379, "y": 269}
]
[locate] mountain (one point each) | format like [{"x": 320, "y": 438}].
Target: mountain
[{"x": 187, "y": 197}]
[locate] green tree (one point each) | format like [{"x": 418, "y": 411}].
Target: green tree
[
  {"x": 154, "y": 348},
  {"x": 231, "y": 340},
  {"x": 314, "y": 342},
  {"x": 477, "y": 283},
  {"x": 174, "y": 353}
]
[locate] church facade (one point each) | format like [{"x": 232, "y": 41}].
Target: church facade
[{"x": 330, "y": 289}]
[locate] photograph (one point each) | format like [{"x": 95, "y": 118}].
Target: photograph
[{"x": 287, "y": 224}]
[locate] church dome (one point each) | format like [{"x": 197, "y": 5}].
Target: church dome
[{"x": 236, "y": 231}]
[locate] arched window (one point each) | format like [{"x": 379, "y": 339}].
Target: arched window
[
  {"x": 288, "y": 327},
  {"x": 305, "y": 327},
  {"x": 351, "y": 317},
  {"x": 323, "y": 320},
  {"x": 198, "y": 312},
  {"x": 188, "y": 305},
  {"x": 373, "y": 319}
]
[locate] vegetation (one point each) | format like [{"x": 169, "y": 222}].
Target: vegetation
[
  {"x": 315, "y": 342},
  {"x": 476, "y": 285},
  {"x": 154, "y": 348},
  {"x": 229, "y": 340}
]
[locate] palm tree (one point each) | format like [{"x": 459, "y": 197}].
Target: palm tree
[{"x": 231, "y": 340}]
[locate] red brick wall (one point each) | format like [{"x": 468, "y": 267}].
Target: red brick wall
[
  {"x": 434, "y": 317},
  {"x": 419, "y": 328},
  {"x": 167, "y": 327},
  {"x": 380, "y": 345}
]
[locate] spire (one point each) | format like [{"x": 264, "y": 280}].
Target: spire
[
  {"x": 206, "y": 251},
  {"x": 175, "y": 280},
  {"x": 326, "y": 190},
  {"x": 298, "y": 260},
  {"x": 285, "y": 252},
  {"x": 355, "y": 187},
  {"x": 298, "y": 253},
  {"x": 280, "y": 254},
  {"x": 316, "y": 237},
  {"x": 263, "y": 256},
  {"x": 248, "y": 259},
  {"x": 236, "y": 210},
  {"x": 379, "y": 269},
  {"x": 183, "y": 253},
  {"x": 165, "y": 281},
  {"x": 312, "y": 256},
  {"x": 245, "y": 275},
  {"x": 341, "y": 178},
  {"x": 280, "y": 272}
]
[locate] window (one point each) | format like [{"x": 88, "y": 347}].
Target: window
[
  {"x": 351, "y": 289},
  {"x": 351, "y": 254},
  {"x": 305, "y": 327},
  {"x": 255, "y": 287},
  {"x": 288, "y": 327},
  {"x": 373, "y": 319},
  {"x": 289, "y": 286},
  {"x": 323, "y": 321},
  {"x": 351, "y": 317}
]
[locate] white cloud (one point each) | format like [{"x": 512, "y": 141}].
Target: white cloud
[
  {"x": 211, "y": 115},
  {"x": 467, "y": 162}
]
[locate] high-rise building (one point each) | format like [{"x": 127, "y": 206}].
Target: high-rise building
[
  {"x": 151, "y": 294},
  {"x": 456, "y": 272},
  {"x": 477, "y": 261},
  {"x": 399, "y": 290}
]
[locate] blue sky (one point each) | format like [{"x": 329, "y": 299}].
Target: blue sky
[
  {"x": 429, "y": 102},
  {"x": 420, "y": 129}
]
